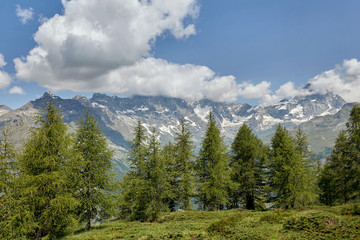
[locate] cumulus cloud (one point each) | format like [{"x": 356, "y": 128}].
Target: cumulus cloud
[
  {"x": 93, "y": 38},
  {"x": 286, "y": 90},
  {"x": 5, "y": 79},
  {"x": 16, "y": 90},
  {"x": 343, "y": 80},
  {"x": 24, "y": 14}
]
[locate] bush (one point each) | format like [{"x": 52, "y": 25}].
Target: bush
[
  {"x": 271, "y": 218},
  {"x": 225, "y": 225}
]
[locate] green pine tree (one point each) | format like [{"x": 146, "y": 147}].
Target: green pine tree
[
  {"x": 92, "y": 171},
  {"x": 353, "y": 131},
  {"x": 7, "y": 162},
  {"x": 145, "y": 189},
  {"x": 213, "y": 169},
  {"x": 7, "y": 178},
  {"x": 43, "y": 203},
  {"x": 158, "y": 186},
  {"x": 247, "y": 163},
  {"x": 168, "y": 153},
  {"x": 134, "y": 197},
  {"x": 184, "y": 155},
  {"x": 338, "y": 178},
  {"x": 287, "y": 172},
  {"x": 309, "y": 165}
]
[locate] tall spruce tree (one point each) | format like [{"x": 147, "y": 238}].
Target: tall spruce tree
[
  {"x": 7, "y": 177},
  {"x": 158, "y": 186},
  {"x": 43, "y": 204},
  {"x": 145, "y": 189},
  {"x": 286, "y": 171},
  {"x": 92, "y": 171},
  {"x": 168, "y": 153},
  {"x": 7, "y": 161},
  {"x": 338, "y": 178},
  {"x": 184, "y": 155},
  {"x": 353, "y": 131},
  {"x": 213, "y": 169},
  {"x": 309, "y": 166},
  {"x": 247, "y": 164}
]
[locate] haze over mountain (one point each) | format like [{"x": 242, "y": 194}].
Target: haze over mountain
[{"x": 321, "y": 116}]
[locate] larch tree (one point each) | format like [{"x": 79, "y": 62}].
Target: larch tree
[
  {"x": 44, "y": 205},
  {"x": 168, "y": 153},
  {"x": 247, "y": 160},
  {"x": 7, "y": 178},
  {"x": 353, "y": 132},
  {"x": 92, "y": 172},
  {"x": 309, "y": 166},
  {"x": 145, "y": 189},
  {"x": 338, "y": 177},
  {"x": 184, "y": 157},
  {"x": 213, "y": 169},
  {"x": 286, "y": 171}
]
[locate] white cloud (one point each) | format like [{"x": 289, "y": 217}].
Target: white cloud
[
  {"x": 16, "y": 90},
  {"x": 287, "y": 90},
  {"x": 5, "y": 79},
  {"x": 343, "y": 80},
  {"x": 24, "y": 14}
]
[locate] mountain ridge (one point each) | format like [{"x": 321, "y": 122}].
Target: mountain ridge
[{"x": 118, "y": 116}]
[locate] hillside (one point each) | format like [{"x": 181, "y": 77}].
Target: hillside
[
  {"x": 340, "y": 222},
  {"x": 321, "y": 117}
]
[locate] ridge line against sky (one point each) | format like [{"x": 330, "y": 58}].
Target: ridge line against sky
[{"x": 254, "y": 51}]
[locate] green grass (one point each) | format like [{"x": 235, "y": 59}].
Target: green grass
[{"x": 342, "y": 222}]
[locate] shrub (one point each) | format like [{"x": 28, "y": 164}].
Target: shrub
[{"x": 225, "y": 225}]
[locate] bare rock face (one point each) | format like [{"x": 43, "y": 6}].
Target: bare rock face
[{"x": 118, "y": 116}]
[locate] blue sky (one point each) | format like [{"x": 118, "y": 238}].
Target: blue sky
[{"x": 254, "y": 51}]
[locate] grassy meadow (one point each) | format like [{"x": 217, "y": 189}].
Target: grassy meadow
[{"x": 341, "y": 222}]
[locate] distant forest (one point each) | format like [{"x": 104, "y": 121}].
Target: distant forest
[{"x": 60, "y": 179}]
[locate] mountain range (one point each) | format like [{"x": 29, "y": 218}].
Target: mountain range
[{"x": 321, "y": 116}]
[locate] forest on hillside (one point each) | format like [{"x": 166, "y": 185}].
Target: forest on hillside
[{"x": 58, "y": 180}]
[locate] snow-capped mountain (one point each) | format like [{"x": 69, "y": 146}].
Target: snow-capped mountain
[{"x": 118, "y": 116}]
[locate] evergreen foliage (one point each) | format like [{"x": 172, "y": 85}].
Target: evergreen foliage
[
  {"x": 43, "y": 204},
  {"x": 185, "y": 176},
  {"x": 213, "y": 169},
  {"x": 168, "y": 153},
  {"x": 7, "y": 162},
  {"x": 145, "y": 188},
  {"x": 353, "y": 131},
  {"x": 309, "y": 165},
  {"x": 337, "y": 180},
  {"x": 287, "y": 171},
  {"x": 247, "y": 163},
  {"x": 7, "y": 177},
  {"x": 91, "y": 171}
]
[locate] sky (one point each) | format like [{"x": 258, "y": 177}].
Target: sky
[{"x": 247, "y": 51}]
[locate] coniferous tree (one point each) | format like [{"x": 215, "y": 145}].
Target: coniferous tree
[
  {"x": 168, "y": 153},
  {"x": 7, "y": 161},
  {"x": 309, "y": 166},
  {"x": 134, "y": 197},
  {"x": 286, "y": 171},
  {"x": 353, "y": 131},
  {"x": 213, "y": 169},
  {"x": 43, "y": 203},
  {"x": 92, "y": 170},
  {"x": 158, "y": 186},
  {"x": 338, "y": 177},
  {"x": 145, "y": 188},
  {"x": 184, "y": 166},
  {"x": 247, "y": 164},
  {"x": 7, "y": 177}
]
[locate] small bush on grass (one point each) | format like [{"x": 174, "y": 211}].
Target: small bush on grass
[{"x": 225, "y": 225}]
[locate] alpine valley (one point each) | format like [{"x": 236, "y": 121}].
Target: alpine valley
[{"x": 320, "y": 116}]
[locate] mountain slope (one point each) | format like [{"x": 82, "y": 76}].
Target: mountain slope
[{"x": 319, "y": 114}]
